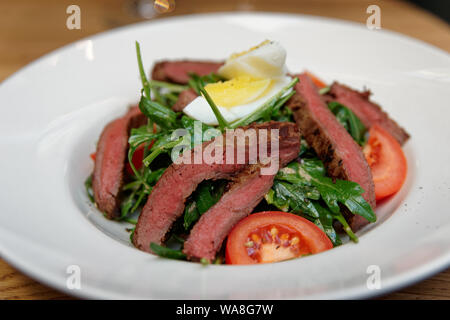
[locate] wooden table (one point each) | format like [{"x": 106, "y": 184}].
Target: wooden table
[{"x": 30, "y": 28}]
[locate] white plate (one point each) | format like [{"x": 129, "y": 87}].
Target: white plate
[{"x": 53, "y": 110}]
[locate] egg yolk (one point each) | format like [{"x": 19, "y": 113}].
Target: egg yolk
[{"x": 237, "y": 91}]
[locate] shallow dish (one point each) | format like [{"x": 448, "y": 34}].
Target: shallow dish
[{"x": 53, "y": 111}]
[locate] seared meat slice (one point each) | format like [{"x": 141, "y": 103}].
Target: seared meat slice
[
  {"x": 341, "y": 155},
  {"x": 110, "y": 159},
  {"x": 178, "y": 71},
  {"x": 244, "y": 194},
  {"x": 367, "y": 111},
  {"x": 166, "y": 202},
  {"x": 185, "y": 97}
]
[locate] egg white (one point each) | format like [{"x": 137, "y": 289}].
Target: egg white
[
  {"x": 199, "y": 108},
  {"x": 265, "y": 61}
]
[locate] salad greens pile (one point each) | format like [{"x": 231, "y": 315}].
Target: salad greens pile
[
  {"x": 162, "y": 133},
  {"x": 301, "y": 188}
]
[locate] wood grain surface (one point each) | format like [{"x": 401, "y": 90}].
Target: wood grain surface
[{"x": 31, "y": 28}]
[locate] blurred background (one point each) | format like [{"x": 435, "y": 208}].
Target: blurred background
[{"x": 31, "y": 28}]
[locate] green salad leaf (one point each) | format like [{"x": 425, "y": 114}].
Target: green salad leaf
[
  {"x": 297, "y": 197},
  {"x": 167, "y": 252},
  {"x": 205, "y": 196},
  {"x": 145, "y": 84},
  {"x": 170, "y": 87},
  {"x": 311, "y": 172},
  {"x": 303, "y": 188},
  {"x": 350, "y": 121},
  {"x": 158, "y": 113}
]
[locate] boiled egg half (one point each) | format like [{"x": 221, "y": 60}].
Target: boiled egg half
[{"x": 254, "y": 76}]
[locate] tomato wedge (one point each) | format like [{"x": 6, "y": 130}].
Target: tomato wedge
[
  {"x": 319, "y": 83},
  {"x": 272, "y": 236},
  {"x": 387, "y": 162}
]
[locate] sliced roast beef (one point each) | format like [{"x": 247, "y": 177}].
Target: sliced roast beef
[
  {"x": 178, "y": 71},
  {"x": 185, "y": 97},
  {"x": 166, "y": 202},
  {"x": 341, "y": 155},
  {"x": 243, "y": 195},
  {"x": 110, "y": 161},
  {"x": 369, "y": 112}
]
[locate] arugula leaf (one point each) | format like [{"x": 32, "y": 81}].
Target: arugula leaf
[
  {"x": 281, "y": 112},
  {"x": 138, "y": 190},
  {"x": 345, "y": 192},
  {"x": 166, "y": 141},
  {"x": 204, "y": 198},
  {"x": 207, "y": 194},
  {"x": 153, "y": 176},
  {"x": 339, "y": 217},
  {"x": 137, "y": 137},
  {"x": 296, "y": 197},
  {"x": 350, "y": 121},
  {"x": 161, "y": 115},
  {"x": 325, "y": 222},
  {"x": 141, "y": 135},
  {"x": 171, "y": 87},
  {"x": 162, "y": 147},
  {"x": 154, "y": 86},
  {"x": 199, "y": 136},
  {"x": 190, "y": 214},
  {"x": 167, "y": 252},
  {"x": 303, "y": 188},
  {"x": 272, "y": 198},
  {"x": 144, "y": 80}
]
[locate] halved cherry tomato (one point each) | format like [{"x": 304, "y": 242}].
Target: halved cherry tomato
[
  {"x": 386, "y": 160},
  {"x": 319, "y": 83},
  {"x": 272, "y": 236},
  {"x": 138, "y": 157}
]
